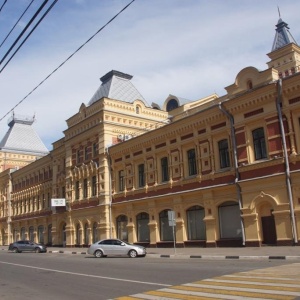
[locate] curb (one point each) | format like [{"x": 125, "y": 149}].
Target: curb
[{"x": 187, "y": 256}]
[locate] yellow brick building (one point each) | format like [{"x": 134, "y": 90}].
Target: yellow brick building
[{"x": 227, "y": 167}]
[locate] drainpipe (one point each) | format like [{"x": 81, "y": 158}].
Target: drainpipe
[
  {"x": 110, "y": 191},
  {"x": 235, "y": 161},
  {"x": 286, "y": 160}
]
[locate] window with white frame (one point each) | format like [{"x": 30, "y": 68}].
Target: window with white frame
[
  {"x": 192, "y": 163},
  {"x": 224, "y": 154},
  {"x": 259, "y": 143}
]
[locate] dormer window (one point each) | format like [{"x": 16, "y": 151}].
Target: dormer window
[
  {"x": 137, "y": 109},
  {"x": 249, "y": 85}
]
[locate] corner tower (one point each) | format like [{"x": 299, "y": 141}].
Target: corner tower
[{"x": 285, "y": 54}]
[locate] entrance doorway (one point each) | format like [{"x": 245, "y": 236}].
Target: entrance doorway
[{"x": 269, "y": 230}]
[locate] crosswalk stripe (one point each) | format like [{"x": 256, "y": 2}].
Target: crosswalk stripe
[
  {"x": 269, "y": 294},
  {"x": 254, "y": 284},
  {"x": 280, "y": 283},
  {"x": 263, "y": 290}
]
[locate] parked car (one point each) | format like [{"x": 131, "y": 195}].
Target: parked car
[
  {"x": 24, "y": 245},
  {"x": 115, "y": 247}
]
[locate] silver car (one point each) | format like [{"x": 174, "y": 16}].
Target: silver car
[
  {"x": 24, "y": 245},
  {"x": 115, "y": 247}
]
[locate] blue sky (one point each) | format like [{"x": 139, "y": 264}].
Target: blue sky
[{"x": 190, "y": 48}]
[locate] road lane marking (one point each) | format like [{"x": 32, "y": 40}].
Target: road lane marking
[{"x": 84, "y": 275}]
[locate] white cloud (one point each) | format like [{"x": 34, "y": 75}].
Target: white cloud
[{"x": 187, "y": 48}]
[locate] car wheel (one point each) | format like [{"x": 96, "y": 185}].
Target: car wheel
[
  {"x": 15, "y": 250},
  {"x": 37, "y": 250},
  {"x": 98, "y": 253},
  {"x": 132, "y": 254}
]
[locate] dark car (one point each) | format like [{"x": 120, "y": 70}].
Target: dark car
[{"x": 20, "y": 246}]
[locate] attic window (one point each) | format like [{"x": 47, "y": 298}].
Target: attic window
[
  {"x": 172, "y": 104},
  {"x": 137, "y": 109},
  {"x": 249, "y": 85}
]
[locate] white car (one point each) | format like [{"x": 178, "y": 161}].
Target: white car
[{"x": 115, "y": 247}]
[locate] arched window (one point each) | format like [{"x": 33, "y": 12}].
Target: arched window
[
  {"x": 249, "y": 85},
  {"x": 78, "y": 234},
  {"x": 172, "y": 104},
  {"x": 41, "y": 234},
  {"x": 230, "y": 220},
  {"x": 143, "y": 233},
  {"x": 166, "y": 231},
  {"x": 31, "y": 233},
  {"x": 22, "y": 237},
  {"x": 122, "y": 222},
  {"x": 196, "y": 224},
  {"x": 86, "y": 234},
  {"x": 95, "y": 232},
  {"x": 50, "y": 234},
  {"x": 137, "y": 109}
]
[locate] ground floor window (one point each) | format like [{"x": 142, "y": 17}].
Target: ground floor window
[
  {"x": 78, "y": 234},
  {"x": 95, "y": 233},
  {"x": 31, "y": 233},
  {"x": 143, "y": 233},
  {"x": 50, "y": 234},
  {"x": 230, "y": 220},
  {"x": 41, "y": 234},
  {"x": 22, "y": 234},
  {"x": 86, "y": 234},
  {"x": 122, "y": 232},
  {"x": 196, "y": 225},
  {"x": 166, "y": 231}
]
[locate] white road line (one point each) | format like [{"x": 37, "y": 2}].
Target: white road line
[{"x": 85, "y": 275}]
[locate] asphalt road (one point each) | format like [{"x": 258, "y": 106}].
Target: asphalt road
[{"x": 64, "y": 277}]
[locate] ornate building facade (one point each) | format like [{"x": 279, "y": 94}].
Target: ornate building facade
[{"x": 228, "y": 167}]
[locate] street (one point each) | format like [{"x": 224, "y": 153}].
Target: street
[{"x": 57, "y": 276}]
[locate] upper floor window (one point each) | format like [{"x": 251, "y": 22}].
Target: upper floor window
[
  {"x": 141, "y": 174},
  {"x": 94, "y": 186},
  {"x": 249, "y": 85},
  {"x": 77, "y": 190},
  {"x": 192, "y": 165},
  {"x": 259, "y": 143},
  {"x": 121, "y": 181},
  {"x": 86, "y": 153},
  {"x": 224, "y": 154},
  {"x": 95, "y": 149},
  {"x": 85, "y": 188},
  {"x": 78, "y": 156},
  {"x": 164, "y": 169},
  {"x": 137, "y": 109}
]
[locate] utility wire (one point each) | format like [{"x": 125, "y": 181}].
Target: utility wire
[
  {"x": 3, "y": 5},
  {"x": 23, "y": 31},
  {"x": 35, "y": 26},
  {"x": 16, "y": 23},
  {"x": 123, "y": 9}
]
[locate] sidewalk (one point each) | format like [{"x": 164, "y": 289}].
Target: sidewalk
[{"x": 265, "y": 252}]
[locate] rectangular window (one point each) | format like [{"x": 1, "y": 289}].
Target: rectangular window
[
  {"x": 63, "y": 192},
  {"x": 95, "y": 149},
  {"x": 121, "y": 181},
  {"x": 259, "y": 144},
  {"x": 94, "y": 186},
  {"x": 78, "y": 156},
  {"x": 86, "y": 153},
  {"x": 224, "y": 154},
  {"x": 77, "y": 190},
  {"x": 141, "y": 173},
  {"x": 164, "y": 169},
  {"x": 192, "y": 166},
  {"x": 85, "y": 188}
]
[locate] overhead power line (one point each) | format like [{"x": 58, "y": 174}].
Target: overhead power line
[
  {"x": 3, "y": 5},
  {"x": 16, "y": 23},
  {"x": 99, "y": 30},
  {"x": 35, "y": 26},
  {"x": 23, "y": 31}
]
